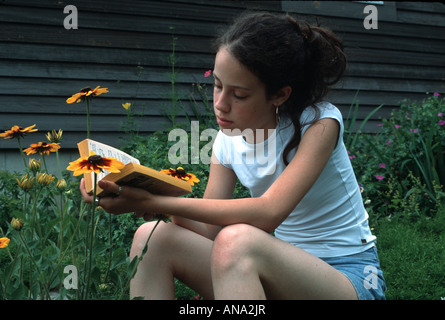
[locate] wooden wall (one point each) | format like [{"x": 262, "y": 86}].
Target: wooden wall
[{"x": 124, "y": 46}]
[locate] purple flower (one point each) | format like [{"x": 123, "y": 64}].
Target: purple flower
[
  {"x": 379, "y": 177},
  {"x": 208, "y": 73},
  {"x": 440, "y": 114},
  {"x": 413, "y": 130},
  {"x": 436, "y": 94},
  {"x": 441, "y": 122},
  {"x": 388, "y": 143},
  {"x": 397, "y": 126},
  {"x": 382, "y": 165}
]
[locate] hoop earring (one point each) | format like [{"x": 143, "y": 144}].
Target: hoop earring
[{"x": 277, "y": 114}]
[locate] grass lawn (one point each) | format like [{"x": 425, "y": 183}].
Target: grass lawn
[{"x": 412, "y": 256}]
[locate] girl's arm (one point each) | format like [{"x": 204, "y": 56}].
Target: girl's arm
[
  {"x": 220, "y": 185},
  {"x": 268, "y": 211},
  {"x": 265, "y": 212}
]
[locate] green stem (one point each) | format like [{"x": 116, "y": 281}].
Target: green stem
[
  {"x": 33, "y": 262},
  {"x": 58, "y": 164},
  {"x": 144, "y": 251},
  {"x": 111, "y": 249},
  {"x": 88, "y": 118},
  {"x": 91, "y": 240},
  {"x": 21, "y": 153},
  {"x": 44, "y": 163}
]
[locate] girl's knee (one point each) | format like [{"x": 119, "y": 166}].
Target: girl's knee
[
  {"x": 143, "y": 232},
  {"x": 233, "y": 244}
]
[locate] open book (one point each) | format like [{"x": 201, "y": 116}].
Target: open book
[{"x": 133, "y": 174}]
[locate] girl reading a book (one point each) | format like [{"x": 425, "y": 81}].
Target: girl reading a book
[{"x": 271, "y": 74}]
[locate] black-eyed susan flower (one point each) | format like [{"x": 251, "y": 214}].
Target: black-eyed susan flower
[
  {"x": 94, "y": 163},
  {"x": 41, "y": 148},
  {"x": 86, "y": 93},
  {"x": 180, "y": 173},
  {"x": 17, "y": 132},
  {"x": 4, "y": 242}
]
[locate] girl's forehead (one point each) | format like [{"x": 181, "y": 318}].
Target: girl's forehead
[{"x": 229, "y": 69}]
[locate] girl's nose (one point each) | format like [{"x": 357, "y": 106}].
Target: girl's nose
[{"x": 220, "y": 102}]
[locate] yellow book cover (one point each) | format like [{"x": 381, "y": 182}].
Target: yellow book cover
[{"x": 133, "y": 174}]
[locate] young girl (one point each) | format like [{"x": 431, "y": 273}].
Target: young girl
[{"x": 271, "y": 73}]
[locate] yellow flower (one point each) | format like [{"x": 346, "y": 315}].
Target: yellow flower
[
  {"x": 25, "y": 182},
  {"x": 61, "y": 184},
  {"x": 181, "y": 174},
  {"x": 44, "y": 179},
  {"x": 41, "y": 148},
  {"x": 34, "y": 165},
  {"x": 4, "y": 242},
  {"x": 54, "y": 136},
  {"x": 17, "y": 224},
  {"x": 94, "y": 163},
  {"x": 17, "y": 132},
  {"x": 86, "y": 93},
  {"x": 126, "y": 105}
]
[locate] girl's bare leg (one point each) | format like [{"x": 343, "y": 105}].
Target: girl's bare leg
[
  {"x": 172, "y": 252},
  {"x": 248, "y": 263}
]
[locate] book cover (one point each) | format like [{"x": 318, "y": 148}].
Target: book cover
[{"x": 133, "y": 174}]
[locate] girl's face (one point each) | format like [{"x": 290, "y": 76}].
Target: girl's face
[{"x": 239, "y": 98}]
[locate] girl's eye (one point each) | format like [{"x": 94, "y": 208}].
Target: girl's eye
[
  {"x": 239, "y": 97},
  {"x": 217, "y": 86}
]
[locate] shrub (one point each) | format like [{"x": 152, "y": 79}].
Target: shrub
[{"x": 401, "y": 167}]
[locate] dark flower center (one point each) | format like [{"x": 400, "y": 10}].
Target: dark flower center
[{"x": 95, "y": 159}]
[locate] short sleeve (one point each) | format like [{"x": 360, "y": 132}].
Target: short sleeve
[
  {"x": 221, "y": 149},
  {"x": 327, "y": 110}
]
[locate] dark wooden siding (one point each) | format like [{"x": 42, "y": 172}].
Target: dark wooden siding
[{"x": 41, "y": 63}]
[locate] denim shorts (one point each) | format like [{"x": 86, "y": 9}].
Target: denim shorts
[{"x": 364, "y": 272}]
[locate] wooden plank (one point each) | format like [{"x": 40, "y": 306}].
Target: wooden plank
[
  {"x": 97, "y": 72},
  {"x": 387, "y": 70},
  {"x": 116, "y": 21},
  {"x": 374, "y": 41},
  {"x": 65, "y": 89},
  {"x": 176, "y": 9},
  {"x": 119, "y": 56},
  {"x": 101, "y": 38},
  {"x": 396, "y": 58},
  {"x": 426, "y": 13}
]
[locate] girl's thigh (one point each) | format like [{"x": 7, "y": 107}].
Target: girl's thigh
[
  {"x": 173, "y": 251},
  {"x": 285, "y": 271}
]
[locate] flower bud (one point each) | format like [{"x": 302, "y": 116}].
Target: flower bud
[
  {"x": 17, "y": 224},
  {"x": 34, "y": 165},
  {"x": 44, "y": 179},
  {"x": 54, "y": 136},
  {"x": 25, "y": 182},
  {"x": 61, "y": 184}
]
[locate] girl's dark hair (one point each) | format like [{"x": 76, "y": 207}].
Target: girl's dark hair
[{"x": 282, "y": 51}]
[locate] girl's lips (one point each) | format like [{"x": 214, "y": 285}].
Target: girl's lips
[{"x": 223, "y": 122}]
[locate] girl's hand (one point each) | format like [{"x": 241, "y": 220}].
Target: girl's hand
[{"x": 128, "y": 200}]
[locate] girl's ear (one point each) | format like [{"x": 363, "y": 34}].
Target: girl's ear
[{"x": 282, "y": 95}]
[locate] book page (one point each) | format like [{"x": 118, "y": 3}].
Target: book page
[{"x": 107, "y": 151}]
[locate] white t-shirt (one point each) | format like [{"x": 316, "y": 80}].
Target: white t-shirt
[{"x": 330, "y": 220}]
